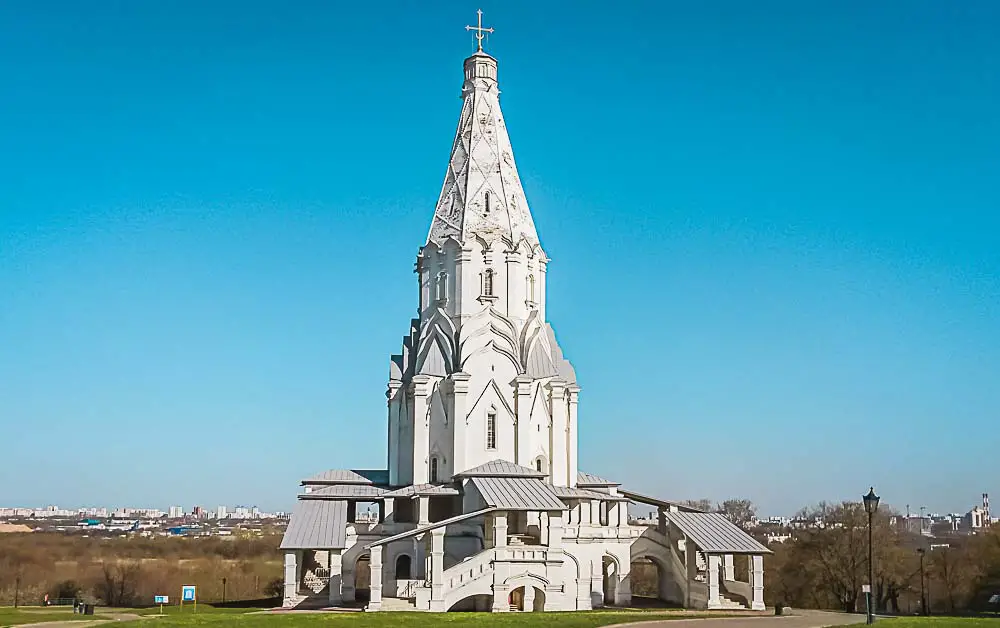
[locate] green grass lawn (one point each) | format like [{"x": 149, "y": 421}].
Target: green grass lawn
[
  {"x": 589, "y": 619},
  {"x": 10, "y": 616},
  {"x": 941, "y": 622}
]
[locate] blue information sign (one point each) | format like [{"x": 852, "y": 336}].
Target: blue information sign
[{"x": 187, "y": 593}]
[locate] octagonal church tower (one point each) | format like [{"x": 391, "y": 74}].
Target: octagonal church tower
[{"x": 481, "y": 376}]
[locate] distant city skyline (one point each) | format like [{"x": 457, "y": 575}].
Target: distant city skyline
[{"x": 774, "y": 232}]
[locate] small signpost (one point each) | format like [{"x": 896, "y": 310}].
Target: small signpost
[
  {"x": 161, "y": 600},
  {"x": 188, "y": 594}
]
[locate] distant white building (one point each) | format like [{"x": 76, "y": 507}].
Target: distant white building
[
  {"x": 481, "y": 505},
  {"x": 176, "y": 512},
  {"x": 220, "y": 512}
]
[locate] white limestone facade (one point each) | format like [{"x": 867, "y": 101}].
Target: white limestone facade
[{"x": 481, "y": 505}]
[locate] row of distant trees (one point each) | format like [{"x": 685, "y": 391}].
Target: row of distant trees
[
  {"x": 825, "y": 566},
  {"x": 117, "y": 571}
]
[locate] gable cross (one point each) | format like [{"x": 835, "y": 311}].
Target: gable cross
[{"x": 479, "y": 29}]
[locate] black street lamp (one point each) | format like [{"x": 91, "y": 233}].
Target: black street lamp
[
  {"x": 871, "y": 505},
  {"x": 923, "y": 597}
]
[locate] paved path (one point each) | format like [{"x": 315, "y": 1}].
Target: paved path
[{"x": 797, "y": 619}]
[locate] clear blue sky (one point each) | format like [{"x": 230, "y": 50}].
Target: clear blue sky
[{"x": 774, "y": 226}]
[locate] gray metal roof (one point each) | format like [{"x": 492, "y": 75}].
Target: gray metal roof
[
  {"x": 344, "y": 491},
  {"x": 317, "y": 524},
  {"x": 501, "y": 469},
  {"x": 589, "y": 479},
  {"x": 653, "y": 501},
  {"x": 348, "y": 476},
  {"x": 569, "y": 492},
  {"x": 714, "y": 534},
  {"x": 507, "y": 493},
  {"x": 422, "y": 489}
]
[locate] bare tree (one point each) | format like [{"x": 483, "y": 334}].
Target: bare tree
[{"x": 742, "y": 512}]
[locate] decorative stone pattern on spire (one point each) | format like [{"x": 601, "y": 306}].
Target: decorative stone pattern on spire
[{"x": 482, "y": 194}]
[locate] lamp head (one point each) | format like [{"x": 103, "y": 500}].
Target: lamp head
[{"x": 871, "y": 501}]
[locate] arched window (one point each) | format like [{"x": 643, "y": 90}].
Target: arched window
[
  {"x": 488, "y": 202},
  {"x": 403, "y": 567},
  {"x": 538, "y": 465},
  {"x": 491, "y": 429},
  {"x": 442, "y": 286},
  {"x": 488, "y": 282},
  {"x": 434, "y": 469}
]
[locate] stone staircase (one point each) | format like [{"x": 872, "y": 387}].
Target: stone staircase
[
  {"x": 730, "y": 604},
  {"x": 398, "y": 604}
]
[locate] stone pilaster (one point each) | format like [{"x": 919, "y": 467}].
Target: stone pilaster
[
  {"x": 728, "y": 567},
  {"x": 523, "y": 433},
  {"x": 571, "y": 428},
  {"x": 459, "y": 413},
  {"x": 423, "y": 510},
  {"x": 336, "y": 578},
  {"x": 529, "y": 598},
  {"x": 421, "y": 386},
  {"x": 392, "y": 402},
  {"x": 555, "y": 530},
  {"x": 559, "y": 442},
  {"x": 375, "y": 600}
]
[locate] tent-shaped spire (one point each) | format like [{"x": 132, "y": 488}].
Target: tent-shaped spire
[{"x": 482, "y": 194}]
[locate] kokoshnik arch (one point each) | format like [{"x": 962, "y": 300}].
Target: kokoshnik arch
[{"x": 482, "y": 505}]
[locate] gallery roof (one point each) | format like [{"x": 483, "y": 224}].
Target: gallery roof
[{"x": 317, "y": 524}]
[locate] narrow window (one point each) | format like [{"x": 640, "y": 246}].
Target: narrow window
[
  {"x": 434, "y": 469},
  {"x": 538, "y": 465},
  {"x": 488, "y": 282},
  {"x": 531, "y": 288},
  {"x": 487, "y": 202},
  {"x": 442, "y": 286},
  {"x": 491, "y": 430}
]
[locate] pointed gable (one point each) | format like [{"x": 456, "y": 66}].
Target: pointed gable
[{"x": 501, "y": 469}]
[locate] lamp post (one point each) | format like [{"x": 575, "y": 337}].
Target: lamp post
[
  {"x": 223, "y": 590},
  {"x": 923, "y": 597},
  {"x": 871, "y": 505}
]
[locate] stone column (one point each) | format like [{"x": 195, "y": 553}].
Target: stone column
[
  {"x": 529, "y": 598},
  {"x": 385, "y": 509},
  {"x": 437, "y": 569},
  {"x": 571, "y": 459},
  {"x": 500, "y": 602},
  {"x": 558, "y": 444},
  {"x": 500, "y": 529},
  {"x": 513, "y": 296},
  {"x": 661, "y": 521},
  {"x": 691, "y": 564},
  {"x": 540, "y": 287},
  {"x": 336, "y": 577},
  {"x": 421, "y": 386},
  {"x": 523, "y": 433},
  {"x": 728, "y": 568},
  {"x": 291, "y": 576},
  {"x": 714, "y": 600},
  {"x": 375, "y": 601},
  {"x": 623, "y": 597},
  {"x": 757, "y": 582},
  {"x": 423, "y": 510},
  {"x": 459, "y": 412}
]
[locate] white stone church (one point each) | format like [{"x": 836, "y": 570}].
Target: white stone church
[{"x": 482, "y": 505}]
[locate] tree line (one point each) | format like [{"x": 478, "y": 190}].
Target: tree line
[
  {"x": 824, "y": 562},
  {"x": 129, "y": 571}
]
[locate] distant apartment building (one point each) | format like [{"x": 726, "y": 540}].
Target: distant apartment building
[
  {"x": 176, "y": 512},
  {"x": 221, "y": 512}
]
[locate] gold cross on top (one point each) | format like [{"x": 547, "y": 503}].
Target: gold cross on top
[{"x": 479, "y": 29}]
